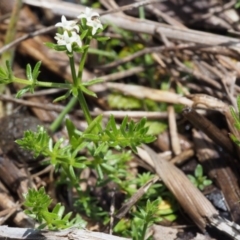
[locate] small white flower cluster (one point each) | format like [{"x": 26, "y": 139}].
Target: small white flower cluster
[{"x": 71, "y": 29}]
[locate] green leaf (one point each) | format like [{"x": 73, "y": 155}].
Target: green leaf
[
  {"x": 63, "y": 97},
  {"x": 207, "y": 182},
  {"x": 198, "y": 171},
  {"x": 119, "y": 101},
  {"x": 87, "y": 91},
  {"x": 96, "y": 123},
  {"x": 156, "y": 127},
  {"x": 36, "y": 70},
  {"x": 9, "y": 70},
  {"x": 101, "y": 148},
  {"x": 91, "y": 137},
  {"x": 72, "y": 172},
  {"x": 113, "y": 125},
  {"x": 92, "y": 82},
  {"x": 56, "y": 208},
  {"x": 67, "y": 216},
  {"x": 84, "y": 33},
  {"x": 22, "y": 91},
  {"x": 101, "y": 38},
  {"x": 50, "y": 45},
  {"x": 29, "y": 72}
]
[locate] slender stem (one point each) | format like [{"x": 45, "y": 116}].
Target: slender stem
[
  {"x": 144, "y": 230},
  {"x": 77, "y": 84},
  {"x": 83, "y": 60},
  {"x": 11, "y": 31},
  {"x": 74, "y": 75},
  {"x": 41, "y": 84},
  {"x": 54, "y": 126},
  {"x": 84, "y": 106}
]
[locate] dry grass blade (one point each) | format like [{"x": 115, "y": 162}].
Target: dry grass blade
[{"x": 153, "y": 94}]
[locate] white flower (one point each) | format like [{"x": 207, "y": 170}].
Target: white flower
[
  {"x": 67, "y": 25},
  {"x": 92, "y": 19},
  {"x": 66, "y": 40},
  {"x": 76, "y": 38}
]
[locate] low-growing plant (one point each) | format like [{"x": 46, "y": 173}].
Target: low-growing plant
[
  {"x": 198, "y": 179},
  {"x": 107, "y": 147}
]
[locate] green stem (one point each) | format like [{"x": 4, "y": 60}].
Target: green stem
[
  {"x": 77, "y": 83},
  {"x": 57, "y": 122},
  {"x": 83, "y": 60},
  {"x": 84, "y": 106},
  {"x": 41, "y": 84},
  {"x": 11, "y": 32},
  {"x": 144, "y": 230},
  {"x": 73, "y": 71}
]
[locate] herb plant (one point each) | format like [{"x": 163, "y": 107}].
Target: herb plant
[
  {"x": 199, "y": 180},
  {"x": 105, "y": 146}
]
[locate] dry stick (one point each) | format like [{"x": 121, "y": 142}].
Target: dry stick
[
  {"x": 59, "y": 108},
  {"x": 73, "y": 10},
  {"x": 153, "y": 94},
  {"x": 51, "y": 28},
  {"x": 26, "y": 36},
  {"x": 72, "y": 233},
  {"x": 198, "y": 75},
  {"x": 142, "y": 26},
  {"x": 230, "y": 79},
  {"x": 112, "y": 210},
  {"x": 215, "y": 10},
  {"x": 173, "y": 130},
  {"x": 216, "y": 72},
  {"x": 215, "y": 104},
  {"x": 164, "y": 16},
  {"x": 225, "y": 61},
  {"x": 7, "y": 213},
  {"x": 209, "y": 129},
  {"x": 128, "y": 205},
  {"x": 182, "y": 157},
  {"x": 44, "y": 92},
  {"x": 130, "y": 6}
]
